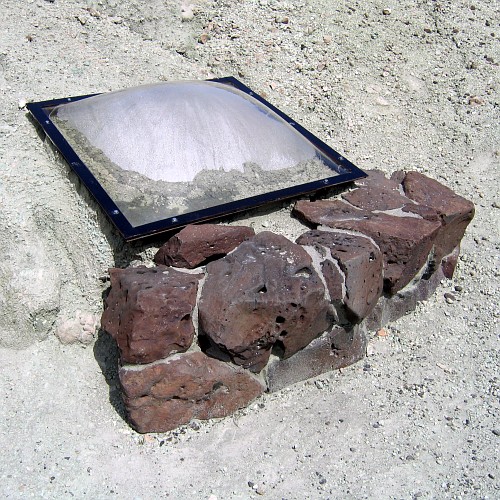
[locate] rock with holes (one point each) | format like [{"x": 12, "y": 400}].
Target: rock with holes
[
  {"x": 148, "y": 312},
  {"x": 454, "y": 212},
  {"x": 265, "y": 294},
  {"x": 195, "y": 244},
  {"x": 405, "y": 241},
  {"x": 171, "y": 392},
  {"x": 333, "y": 350},
  {"x": 360, "y": 262}
]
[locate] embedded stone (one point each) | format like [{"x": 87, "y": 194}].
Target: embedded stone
[
  {"x": 265, "y": 294},
  {"x": 449, "y": 262},
  {"x": 163, "y": 395},
  {"x": 455, "y": 212},
  {"x": 361, "y": 262},
  {"x": 196, "y": 244},
  {"x": 404, "y": 241},
  {"x": 389, "y": 309},
  {"x": 376, "y": 192},
  {"x": 149, "y": 312},
  {"x": 334, "y": 279},
  {"x": 333, "y": 350}
]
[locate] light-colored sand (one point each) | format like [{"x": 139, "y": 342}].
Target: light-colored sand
[{"x": 415, "y": 88}]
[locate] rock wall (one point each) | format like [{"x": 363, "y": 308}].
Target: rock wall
[{"x": 246, "y": 313}]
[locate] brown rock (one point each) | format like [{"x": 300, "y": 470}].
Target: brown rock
[
  {"x": 389, "y": 309},
  {"x": 148, "y": 312},
  {"x": 449, "y": 262},
  {"x": 334, "y": 279},
  {"x": 404, "y": 241},
  {"x": 376, "y": 192},
  {"x": 264, "y": 294},
  {"x": 164, "y": 395},
  {"x": 361, "y": 262},
  {"x": 195, "y": 244},
  {"x": 454, "y": 211},
  {"x": 331, "y": 351}
]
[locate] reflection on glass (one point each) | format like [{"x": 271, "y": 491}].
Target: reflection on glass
[{"x": 173, "y": 148}]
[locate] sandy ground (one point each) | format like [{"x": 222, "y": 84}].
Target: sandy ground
[{"x": 408, "y": 84}]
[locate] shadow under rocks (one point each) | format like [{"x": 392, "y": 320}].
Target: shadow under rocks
[{"x": 106, "y": 355}]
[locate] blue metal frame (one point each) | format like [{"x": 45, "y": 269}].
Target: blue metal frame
[{"x": 345, "y": 172}]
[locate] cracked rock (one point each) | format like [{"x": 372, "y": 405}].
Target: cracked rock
[
  {"x": 169, "y": 393},
  {"x": 455, "y": 212},
  {"x": 404, "y": 241},
  {"x": 149, "y": 312},
  {"x": 265, "y": 294},
  {"x": 360, "y": 261},
  {"x": 195, "y": 244}
]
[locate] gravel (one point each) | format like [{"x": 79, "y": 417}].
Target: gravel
[{"x": 398, "y": 85}]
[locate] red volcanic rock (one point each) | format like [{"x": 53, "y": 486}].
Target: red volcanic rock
[
  {"x": 454, "y": 211},
  {"x": 361, "y": 263},
  {"x": 148, "y": 312},
  {"x": 169, "y": 393},
  {"x": 449, "y": 262},
  {"x": 195, "y": 244},
  {"x": 376, "y": 192},
  {"x": 404, "y": 241},
  {"x": 266, "y": 293}
]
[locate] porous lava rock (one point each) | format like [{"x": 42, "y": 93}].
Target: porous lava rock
[
  {"x": 361, "y": 263},
  {"x": 333, "y": 350},
  {"x": 266, "y": 293},
  {"x": 455, "y": 212},
  {"x": 195, "y": 244},
  {"x": 171, "y": 392},
  {"x": 149, "y": 312},
  {"x": 404, "y": 241}
]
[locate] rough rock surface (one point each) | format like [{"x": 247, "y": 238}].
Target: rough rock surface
[
  {"x": 335, "y": 349},
  {"x": 194, "y": 244},
  {"x": 166, "y": 394},
  {"x": 81, "y": 328},
  {"x": 390, "y": 308},
  {"x": 149, "y": 312},
  {"x": 378, "y": 193},
  {"x": 455, "y": 212},
  {"x": 265, "y": 293},
  {"x": 361, "y": 263},
  {"x": 405, "y": 241}
]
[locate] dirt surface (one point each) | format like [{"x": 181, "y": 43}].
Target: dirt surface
[{"x": 391, "y": 85}]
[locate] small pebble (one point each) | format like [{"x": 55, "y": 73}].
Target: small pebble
[
  {"x": 450, "y": 298},
  {"x": 22, "y": 103},
  {"x": 474, "y": 100},
  {"x": 187, "y": 13},
  {"x": 203, "y": 38},
  {"x": 496, "y": 432},
  {"x": 387, "y": 12}
]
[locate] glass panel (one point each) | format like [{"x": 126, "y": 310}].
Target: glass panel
[{"x": 169, "y": 149}]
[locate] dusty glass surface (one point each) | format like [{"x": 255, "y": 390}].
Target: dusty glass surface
[{"x": 169, "y": 149}]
